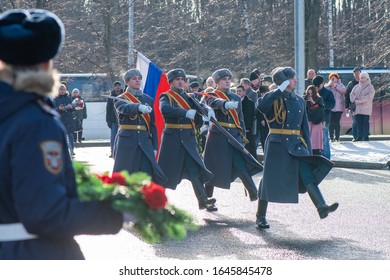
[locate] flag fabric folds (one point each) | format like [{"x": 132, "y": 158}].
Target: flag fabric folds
[{"x": 154, "y": 82}]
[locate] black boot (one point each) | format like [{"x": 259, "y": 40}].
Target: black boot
[
  {"x": 209, "y": 193},
  {"x": 249, "y": 185},
  {"x": 318, "y": 200},
  {"x": 200, "y": 193},
  {"x": 261, "y": 222}
]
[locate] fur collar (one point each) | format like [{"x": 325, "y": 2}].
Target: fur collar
[{"x": 43, "y": 83}]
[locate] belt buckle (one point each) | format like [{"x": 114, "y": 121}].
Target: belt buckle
[{"x": 138, "y": 127}]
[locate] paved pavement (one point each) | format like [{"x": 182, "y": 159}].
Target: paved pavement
[
  {"x": 374, "y": 154},
  {"x": 296, "y": 231}
]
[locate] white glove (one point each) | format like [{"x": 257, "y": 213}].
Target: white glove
[
  {"x": 203, "y": 130},
  {"x": 211, "y": 114},
  {"x": 144, "y": 109},
  {"x": 231, "y": 105},
  {"x": 284, "y": 85},
  {"x": 191, "y": 114}
]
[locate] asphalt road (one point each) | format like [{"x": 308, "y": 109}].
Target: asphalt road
[{"x": 358, "y": 230}]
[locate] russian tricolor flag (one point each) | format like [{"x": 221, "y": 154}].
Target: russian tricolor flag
[{"x": 154, "y": 82}]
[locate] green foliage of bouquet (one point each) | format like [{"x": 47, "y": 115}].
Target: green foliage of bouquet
[{"x": 137, "y": 195}]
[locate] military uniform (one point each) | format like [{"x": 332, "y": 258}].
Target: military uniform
[
  {"x": 220, "y": 156},
  {"x": 178, "y": 156},
  {"x": 136, "y": 139},
  {"x": 39, "y": 210},
  {"x": 289, "y": 166}
]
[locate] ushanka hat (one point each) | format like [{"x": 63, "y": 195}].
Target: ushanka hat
[
  {"x": 221, "y": 73},
  {"x": 131, "y": 73},
  {"x": 176, "y": 73},
  {"x": 29, "y": 37},
  {"x": 282, "y": 74}
]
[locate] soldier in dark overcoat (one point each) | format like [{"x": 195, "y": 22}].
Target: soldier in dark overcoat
[
  {"x": 39, "y": 210},
  {"x": 224, "y": 160},
  {"x": 289, "y": 166},
  {"x": 136, "y": 145},
  {"x": 178, "y": 156}
]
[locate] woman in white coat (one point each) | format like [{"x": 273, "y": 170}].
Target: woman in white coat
[{"x": 362, "y": 95}]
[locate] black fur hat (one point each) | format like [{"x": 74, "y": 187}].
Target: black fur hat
[
  {"x": 29, "y": 37},
  {"x": 176, "y": 73},
  {"x": 282, "y": 74}
]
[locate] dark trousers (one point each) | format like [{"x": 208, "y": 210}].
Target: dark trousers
[
  {"x": 363, "y": 127},
  {"x": 78, "y": 135},
  {"x": 334, "y": 126}
]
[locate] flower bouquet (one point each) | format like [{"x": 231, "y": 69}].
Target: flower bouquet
[{"x": 135, "y": 194}]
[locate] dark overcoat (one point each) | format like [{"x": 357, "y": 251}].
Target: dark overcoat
[
  {"x": 175, "y": 143},
  {"x": 281, "y": 181},
  {"x": 37, "y": 183},
  {"x": 218, "y": 153},
  {"x": 131, "y": 144},
  {"x": 67, "y": 114}
]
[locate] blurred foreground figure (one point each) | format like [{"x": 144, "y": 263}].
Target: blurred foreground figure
[{"x": 39, "y": 210}]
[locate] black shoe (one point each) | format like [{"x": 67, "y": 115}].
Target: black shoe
[
  {"x": 261, "y": 223},
  {"x": 79, "y": 141},
  {"x": 212, "y": 208},
  {"x": 83, "y": 138},
  {"x": 323, "y": 211},
  {"x": 207, "y": 203},
  {"x": 110, "y": 156}
]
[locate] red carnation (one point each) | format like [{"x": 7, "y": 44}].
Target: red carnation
[
  {"x": 154, "y": 196},
  {"x": 116, "y": 178}
]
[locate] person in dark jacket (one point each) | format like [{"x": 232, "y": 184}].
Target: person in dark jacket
[
  {"x": 63, "y": 105},
  {"x": 111, "y": 118},
  {"x": 39, "y": 210},
  {"x": 329, "y": 103},
  {"x": 135, "y": 145},
  {"x": 262, "y": 125},
  {"x": 223, "y": 159},
  {"x": 248, "y": 112},
  {"x": 79, "y": 114},
  {"x": 178, "y": 156},
  {"x": 289, "y": 166},
  {"x": 310, "y": 74}
]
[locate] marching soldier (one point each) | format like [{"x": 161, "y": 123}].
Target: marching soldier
[
  {"x": 39, "y": 210},
  {"x": 179, "y": 157},
  {"x": 135, "y": 145},
  {"x": 288, "y": 151},
  {"x": 225, "y": 161}
]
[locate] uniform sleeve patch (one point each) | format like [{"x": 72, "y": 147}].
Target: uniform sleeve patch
[{"x": 52, "y": 156}]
